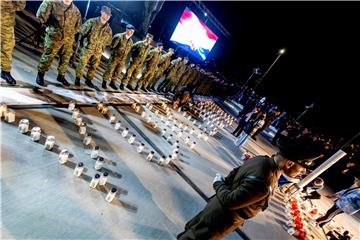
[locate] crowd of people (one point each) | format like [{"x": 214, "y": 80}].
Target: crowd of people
[{"x": 139, "y": 65}]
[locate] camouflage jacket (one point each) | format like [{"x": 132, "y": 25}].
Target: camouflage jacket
[
  {"x": 152, "y": 59},
  {"x": 174, "y": 66},
  {"x": 120, "y": 46},
  {"x": 164, "y": 62},
  {"x": 62, "y": 21},
  {"x": 139, "y": 53},
  {"x": 188, "y": 71},
  {"x": 96, "y": 35},
  {"x": 181, "y": 70},
  {"x": 8, "y": 9}
]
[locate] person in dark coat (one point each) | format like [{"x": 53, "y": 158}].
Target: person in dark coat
[{"x": 247, "y": 190}]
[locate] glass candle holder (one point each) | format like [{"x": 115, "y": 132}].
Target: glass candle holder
[
  {"x": 192, "y": 146},
  {"x": 162, "y": 160},
  {"x": 63, "y": 156},
  {"x": 49, "y": 143},
  {"x": 10, "y": 116},
  {"x": 111, "y": 195},
  {"x": 150, "y": 156},
  {"x": 82, "y": 128},
  {"x": 112, "y": 119},
  {"x": 78, "y": 121},
  {"x": 35, "y": 134},
  {"x": 103, "y": 178},
  {"x": 23, "y": 125},
  {"x": 71, "y": 105},
  {"x": 79, "y": 169},
  {"x": 87, "y": 139},
  {"x": 99, "y": 163},
  {"x": 95, "y": 152},
  {"x": 75, "y": 113},
  {"x": 163, "y": 132},
  {"x": 132, "y": 139},
  {"x": 95, "y": 180},
  {"x": 125, "y": 132},
  {"x": 140, "y": 148},
  {"x": 117, "y": 125}
]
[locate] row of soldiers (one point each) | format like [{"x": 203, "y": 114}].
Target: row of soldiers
[{"x": 63, "y": 20}]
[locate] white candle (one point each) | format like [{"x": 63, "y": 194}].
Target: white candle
[
  {"x": 50, "y": 142},
  {"x": 117, "y": 125},
  {"x": 140, "y": 148},
  {"x": 75, "y": 113},
  {"x": 132, "y": 139},
  {"x": 111, "y": 195},
  {"x": 125, "y": 132},
  {"x": 10, "y": 116},
  {"x": 78, "y": 121},
  {"x": 71, "y": 105},
  {"x": 87, "y": 139},
  {"x": 95, "y": 152},
  {"x": 63, "y": 156},
  {"x": 94, "y": 181},
  {"x": 103, "y": 178},
  {"x": 143, "y": 114},
  {"x": 99, "y": 163},
  {"x": 150, "y": 156},
  {"x": 82, "y": 129},
  {"x": 78, "y": 169},
  {"x": 112, "y": 119},
  {"x": 192, "y": 146}
]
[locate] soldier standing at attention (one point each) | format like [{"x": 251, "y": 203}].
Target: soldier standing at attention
[
  {"x": 63, "y": 21},
  {"x": 151, "y": 61},
  {"x": 139, "y": 52},
  {"x": 119, "y": 50},
  {"x": 8, "y": 12},
  {"x": 179, "y": 73},
  {"x": 97, "y": 34},
  {"x": 171, "y": 73},
  {"x": 164, "y": 63}
]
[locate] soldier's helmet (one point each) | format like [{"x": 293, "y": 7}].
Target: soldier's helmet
[{"x": 106, "y": 10}]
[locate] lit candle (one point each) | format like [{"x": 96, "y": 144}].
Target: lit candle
[
  {"x": 148, "y": 119},
  {"x": 35, "y": 133},
  {"x": 147, "y": 105},
  {"x": 71, "y": 105},
  {"x": 175, "y": 154},
  {"x": 137, "y": 109},
  {"x": 132, "y": 139},
  {"x": 94, "y": 181},
  {"x": 140, "y": 148},
  {"x": 112, "y": 119},
  {"x": 100, "y": 106},
  {"x": 63, "y": 156},
  {"x": 163, "y": 132},
  {"x": 150, "y": 107},
  {"x": 103, "y": 178},
  {"x": 169, "y": 137},
  {"x": 78, "y": 169},
  {"x": 82, "y": 129},
  {"x": 95, "y": 152},
  {"x": 105, "y": 110},
  {"x": 184, "y": 114},
  {"x": 24, "y": 125},
  {"x": 125, "y": 132},
  {"x": 150, "y": 156},
  {"x": 75, "y": 113},
  {"x": 49, "y": 143},
  {"x": 117, "y": 125},
  {"x": 111, "y": 195},
  {"x": 168, "y": 159},
  {"x": 10, "y": 116},
  {"x": 192, "y": 146},
  {"x": 87, "y": 139},
  {"x": 143, "y": 114},
  {"x": 99, "y": 163},
  {"x": 162, "y": 160},
  {"x": 78, "y": 121}
]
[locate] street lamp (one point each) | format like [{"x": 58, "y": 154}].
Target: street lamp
[{"x": 281, "y": 52}]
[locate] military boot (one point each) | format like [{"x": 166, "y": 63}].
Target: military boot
[
  {"x": 77, "y": 81},
  {"x": 89, "y": 83},
  {"x": 103, "y": 85},
  {"x": 112, "y": 85},
  {"x": 61, "y": 78},
  {"x": 121, "y": 86},
  {"x": 40, "y": 79},
  {"x": 8, "y": 78}
]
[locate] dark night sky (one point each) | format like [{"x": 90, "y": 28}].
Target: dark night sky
[{"x": 322, "y": 60}]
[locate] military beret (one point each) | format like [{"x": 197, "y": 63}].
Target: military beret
[
  {"x": 149, "y": 36},
  {"x": 129, "y": 26},
  {"x": 159, "y": 44},
  {"x": 106, "y": 10},
  {"x": 171, "y": 50}
]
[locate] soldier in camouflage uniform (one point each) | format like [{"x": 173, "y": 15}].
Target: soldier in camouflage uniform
[
  {"x": 63, "y": 21},
  {"x": 185, "y": 77},
  {"x": 151, "y": 61},
  {"x": 164, "y": 63},
  {"x": 179, "y": 73},
  {"x": 119, "y": 49},
  {"x": 139, "y": 52},
  {"x": 171, "y": 73},
  {"x": 8, "y": 12},
  {"x": 97, "y": 34}
]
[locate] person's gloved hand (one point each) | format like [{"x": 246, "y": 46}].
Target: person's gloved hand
[{"x": 218, "y": 178}]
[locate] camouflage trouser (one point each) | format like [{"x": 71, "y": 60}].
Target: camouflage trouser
[
  {"x": 131, "y": 75},
  {"x": 7, "y": 43},
  {"x": 156, "y": 77},
  {"x": 88, "y": 56},
  {"x": 51, "y": 48},
  {"x": 114, "y": 68},
  {"x": 146, "y": 79}
]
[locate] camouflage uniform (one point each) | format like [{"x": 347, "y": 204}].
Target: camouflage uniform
[
  {"x": 8, "y": 12},
  {"x": 152, "y": 61},
  {"x": 119, "y": 50},
  {"x": 185, "y": 77},
  {"x": 179, "y": 73},
  {"x": 139, "y": 52},
  {"x": 96, "y": 37},
  {"x": 63, "y": 22},
  {"x": 171, "y": 75},
  {"x": 164, "y": 63}
]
